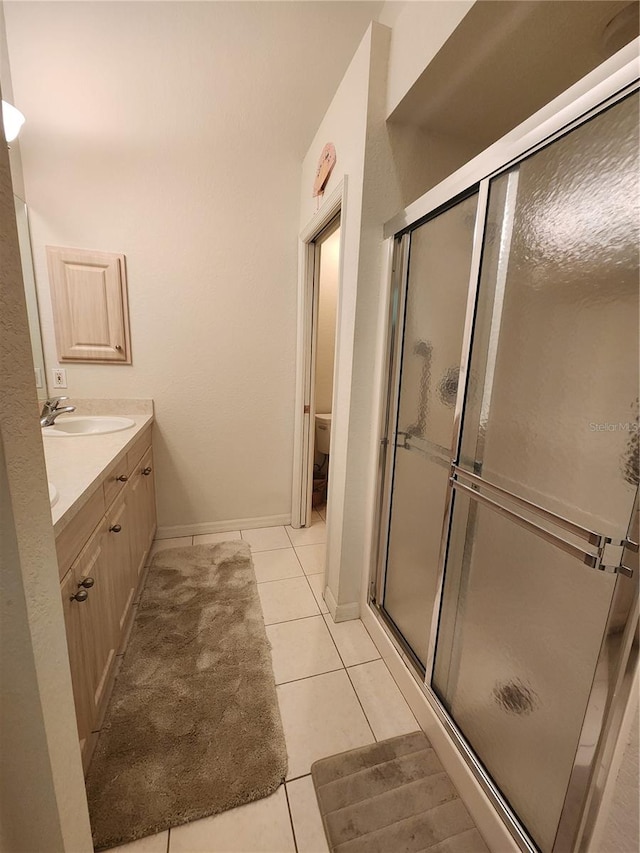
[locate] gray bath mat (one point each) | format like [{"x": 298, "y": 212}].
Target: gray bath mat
[
  {"x": 193, "y": 727},
  {"x": 392, "y": 796}
]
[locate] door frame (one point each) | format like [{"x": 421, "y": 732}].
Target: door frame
[
  {"x": 607, "y": 84},
  {"x": 304, "y": 423}
]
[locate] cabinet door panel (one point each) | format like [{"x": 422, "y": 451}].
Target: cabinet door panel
[
  {"x": 148, "y": 515},
  {"x": 78, "y": 664},
  {"x": 98, "y": 617},
  {"x": 118, "y": 551},
  {"x": 89, "y": 296}
]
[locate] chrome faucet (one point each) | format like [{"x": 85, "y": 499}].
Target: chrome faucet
[{"x": 52, "y": 409}]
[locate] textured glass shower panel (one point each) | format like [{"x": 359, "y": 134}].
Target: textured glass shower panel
[
  {"x": 439, "y": 269},
  {"x": 553, "y": 404},
  {"x": 551, "y": 415},
  {"x": 520, "y": 632}
]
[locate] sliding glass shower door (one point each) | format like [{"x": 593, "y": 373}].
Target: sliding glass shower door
[
  {"x": 547, "y": 470},
  {"x": 513, "y": 522},
  {"x": 436, "y": 302}
]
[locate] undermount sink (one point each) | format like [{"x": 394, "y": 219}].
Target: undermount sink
[
  {"x": 53, "y": 493},
  {"x": 88, "y": 425}
]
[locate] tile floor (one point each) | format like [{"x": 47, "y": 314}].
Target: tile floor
[{"x": 335, "y": 693}]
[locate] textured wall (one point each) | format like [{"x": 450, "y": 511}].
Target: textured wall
[{"x": 38, "y": 735}]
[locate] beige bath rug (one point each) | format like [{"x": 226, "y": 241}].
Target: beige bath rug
[
  {"x": 193, "y": 727},
  {"x": 392, "y": 796}
]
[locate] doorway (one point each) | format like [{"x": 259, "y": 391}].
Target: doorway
[
  {"x": 326, "y": 287},
  {"x": 318, "y": 319},
  {"x": 508, "y": 567}
]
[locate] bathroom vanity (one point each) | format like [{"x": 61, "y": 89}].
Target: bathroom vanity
[{"x": 104, "y": 522}]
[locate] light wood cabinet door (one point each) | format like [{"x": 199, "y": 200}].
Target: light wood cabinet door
[
  {"x": 80, "y": 670},
  {"x": 91, "y": 632},
  {"x": 98, "y": 622},
  {"x": 122, "y": 578},
  {"x": 149, "y": 521},
  {"x": 143, "y": 510},
  {"x": 90, "y": 305}
]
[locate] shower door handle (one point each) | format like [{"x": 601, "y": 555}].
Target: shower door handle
[
  {"x": 589, "y": 536},
  {"x": 600, "y": 560}
]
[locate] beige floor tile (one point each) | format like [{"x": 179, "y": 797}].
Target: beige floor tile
[
  {"x": 322, "y": 511},
  {"x": 276, "y": 565},
  {"x": 316, "y": 582},
  {"x": 353, "y": 642},
  {"x": 383, "y": 703},
  {"x": 286, "y": 599},
  {"x": 266, "y": 538},
  {"x": 307, "y": 822},
  {"x": 213, "y": 538},
  {"x": 312, "y": 535},
  {"x": 259, "y": 827},
  {"x": 151, "y": 844},
  {"x": 312, "y": 558},
  {"x": 164, "y": 544},
  {"x": 320, "y": 717},
  {"x": 302, "y": 648}
]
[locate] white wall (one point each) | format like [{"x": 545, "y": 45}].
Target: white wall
[
  {"x": 327, "y": 313},
  {"x": 166, "y": 131},
  {"x": 344, "y": 124}
]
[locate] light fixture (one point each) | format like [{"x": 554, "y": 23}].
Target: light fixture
[{"x": 12, "y": 119}]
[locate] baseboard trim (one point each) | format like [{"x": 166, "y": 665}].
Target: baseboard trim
[
  {"x": 488, "y": 821},
  {"x": 177, "y": 530},
  {"x": 341, "y": 612}
]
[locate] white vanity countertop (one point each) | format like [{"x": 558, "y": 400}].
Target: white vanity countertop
[{"x": 77, "y": 465}]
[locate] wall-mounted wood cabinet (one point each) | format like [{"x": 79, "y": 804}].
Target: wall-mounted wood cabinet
[
  {"x": 90, "y": 305},
  {"x": 101, "y": 573}
]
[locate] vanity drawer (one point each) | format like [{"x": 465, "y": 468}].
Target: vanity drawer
[
  {"x": 138, "y": 450},
  {"x": 114, "y": 482},
  {"x": 75, "y": 535}
]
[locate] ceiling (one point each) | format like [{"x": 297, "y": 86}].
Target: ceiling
[{"x": 122, "y": 72}]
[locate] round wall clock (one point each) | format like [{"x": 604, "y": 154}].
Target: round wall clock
[{"x": 325, "y": 165}]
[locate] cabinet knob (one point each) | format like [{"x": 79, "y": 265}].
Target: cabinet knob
[
  {"x": 146, "y": 471},
  {"x": 115, "y": 528},
  {"x": 87, "y": 583},
  {"x": 81, "y": 595},
  {"x": 122, "y": 478}
]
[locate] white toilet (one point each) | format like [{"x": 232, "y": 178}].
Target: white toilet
[{"x": 323, "y": 433}]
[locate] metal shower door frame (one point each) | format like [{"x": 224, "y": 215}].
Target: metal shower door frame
[{"x": 606, "y": 85}]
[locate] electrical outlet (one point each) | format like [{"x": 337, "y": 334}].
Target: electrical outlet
[{"x": 59, "y": 377}]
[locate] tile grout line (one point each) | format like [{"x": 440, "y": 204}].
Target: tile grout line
[
  {"x": 326, "y": 617},
  {"x": 361, "y": 705},
  {"x": 353, "y": 687},
  {"x": 169, "y": 840},
  {"x": 346, "y": 669},
  {"x": 295, "y": 619},
  {"x": 293, "y": 829},
  {"x": 307, "y": 677},
  {"x": 290, "y": 578},
  {"x": 297, "y": 778}
]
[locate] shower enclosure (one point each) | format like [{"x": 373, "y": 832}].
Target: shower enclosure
[{"x": 508, "y": 560}]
